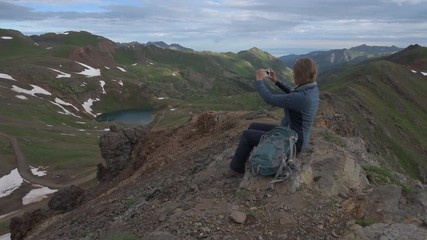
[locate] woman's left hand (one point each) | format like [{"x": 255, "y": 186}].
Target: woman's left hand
[{"x": 260, "y": 74}]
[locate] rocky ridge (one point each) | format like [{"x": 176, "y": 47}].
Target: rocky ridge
[{"x": 176, "y": 185}]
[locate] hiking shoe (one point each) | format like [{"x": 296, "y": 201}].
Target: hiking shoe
[{"x": 232, "y": 174}]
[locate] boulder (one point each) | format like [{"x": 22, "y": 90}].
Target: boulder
[
  {"x": 67, "y": 199},
  {"x": 388, "y": 204},
  {"x": 331, "y": 169},
  {"x": 20, "y": 226},
  {"x": 386, "y": 231},
  {"x": 117, "y": 147}
]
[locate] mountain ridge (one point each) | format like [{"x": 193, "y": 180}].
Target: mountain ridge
[
  {"x": 376, "y": 101},
  {"x": 335, "y": 58}
]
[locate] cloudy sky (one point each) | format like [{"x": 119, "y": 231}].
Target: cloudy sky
[{"x": 229, "y": 25}]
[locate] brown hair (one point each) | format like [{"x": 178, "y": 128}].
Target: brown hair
[{"x": 305, "y": 71}]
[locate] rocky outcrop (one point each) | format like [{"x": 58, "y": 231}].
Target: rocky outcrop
[
  {"x": 117, "y": 146},
  {"x": 326, "y": 167},
  {"x": 96, "y": 56},
  {"x": 390, "y": 213},
  {"x": 183, "y": 191},
  {"x": 20, "y": 226},
  {"x": 67, "y": 199},
  {"x": 387, "y": 231}
]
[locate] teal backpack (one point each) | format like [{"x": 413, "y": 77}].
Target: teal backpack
[{"x": 275, "y": 154}]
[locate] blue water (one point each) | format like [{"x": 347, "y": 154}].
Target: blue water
[{"x": 128, "y": 116}]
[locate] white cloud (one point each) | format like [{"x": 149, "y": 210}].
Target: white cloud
[
  {"x": 228, "y": 25},
  {"x": 402, "y": 2}
]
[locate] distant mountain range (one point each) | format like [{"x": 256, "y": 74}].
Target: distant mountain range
[
  {"x": 160, "y": 44},
  {"x": 335, "y": 58}
]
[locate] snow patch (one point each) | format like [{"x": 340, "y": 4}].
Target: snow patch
[
  {"x": 36, "y": 195},
  {"x": 134, "y": 64},
  {"x": 121, "y": 69},
  {"x": 68, "y": 134},
  {"x": 21, "y": 97},
  {"x": 6, "y": 37},
  {"x": 89, "y": 71},
  {"x": 5, "y": 236},
  {"x": 36, "y": 172},
  {"x": 10, "y": 183},
  {"x": 173, "y": 109},
  {"x": 102, "y": 86},
  {"x": 61, "y": 74},
  {"x": 58, "y": 102},
  {"x": 107, "y": 67},
  {"x": 6, "y": 76},
  {"x": 423, "y": 73},
  {"x": 88, "y": 105},
  {"x": 36, "y": 90}
]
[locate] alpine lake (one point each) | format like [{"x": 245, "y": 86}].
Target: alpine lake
[{"x": 128, "y": 116}]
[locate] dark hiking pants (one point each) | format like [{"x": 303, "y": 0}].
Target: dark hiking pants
[{"x": 248, "y": 140}]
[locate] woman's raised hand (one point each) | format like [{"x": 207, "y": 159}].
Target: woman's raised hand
[{"x": 260, "y": 74}]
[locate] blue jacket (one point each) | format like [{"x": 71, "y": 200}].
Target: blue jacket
[{"x": 300, "y": 107}]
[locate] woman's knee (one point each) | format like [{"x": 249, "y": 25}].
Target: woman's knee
[
  {"x": 261, "y": 126},
  {"x": 245, "y": 136},
  {"x": 253, "y": 125}
]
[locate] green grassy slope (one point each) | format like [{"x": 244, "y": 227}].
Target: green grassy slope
[
  {"x": 387, "y": 104},
  {"x": 15, "y": 44}
]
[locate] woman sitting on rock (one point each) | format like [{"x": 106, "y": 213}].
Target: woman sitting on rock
[{"x": 300, "y": 105}]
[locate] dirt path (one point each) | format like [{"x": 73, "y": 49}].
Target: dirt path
[{"x": 25, "y": 172}]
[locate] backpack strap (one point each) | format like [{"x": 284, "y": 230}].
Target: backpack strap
[{"x": 285, "y": 171}]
